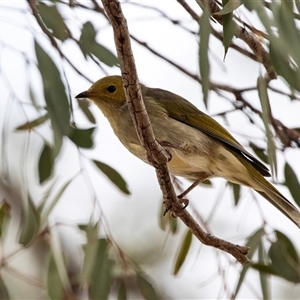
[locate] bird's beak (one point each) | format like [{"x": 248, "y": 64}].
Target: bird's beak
[{"x": 83, "y": 95}]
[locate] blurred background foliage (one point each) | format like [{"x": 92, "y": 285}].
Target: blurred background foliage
[{"x": 52, "y": 50}]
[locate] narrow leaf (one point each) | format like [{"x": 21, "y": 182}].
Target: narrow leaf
[
  {"x": 101, "y": 279},
  {"x": 31, "y": 124},
  {"x": 54, "y": 92},
  {"x": 229, "y": 27},
  {"x": 4, "y": 216},
  {"x": 82, "y": 137},
  {"x": 236, "y": 189},
  {"x": 203, "y": 52},
  {"x": 90, "y": 251},
  {"x": 263, "y": 277},
  {"x": 265, "y": 104},
  {"x": 291, "y": 181},
  {"x": 89, "y": 46},
  {"x": 30, "y": 223},
  {"x": 228, "y": 7},
  {"x": 53, "y": 20},
  {"x": 3, "y": 290},
  {"x": 113, "y": 176},
  {"x": 184, "y": 249},
  {"x": 146, "y": 288},
  {"x": 253, "y": 242},
  {"x": 54, "y": 284},
  {"x": 122, "y": 294},
  {"x": 284, "y": 257},
  {"x": 46, "y": 163}
]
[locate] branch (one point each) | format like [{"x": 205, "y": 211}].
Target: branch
[
  {"x": 249, "y": 38},
  {"x": 156, "y": 154}
]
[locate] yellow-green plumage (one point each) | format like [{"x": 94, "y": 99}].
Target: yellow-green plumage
[{"x": 200, "y": 146}]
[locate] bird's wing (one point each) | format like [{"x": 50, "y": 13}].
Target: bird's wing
[{"x": 181, "y": 110}]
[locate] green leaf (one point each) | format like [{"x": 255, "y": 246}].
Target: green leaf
[
  {"x": 3, "y": 290},
  {"x": 203, "y": 52},
  {"x": 90, "y": 251},
  {"x": 89, "y": 46},
  {"x": 284, "y": 257},
  {"x": 265, "y": 104},
  {"x": 184, "y": 249},
  {"x": 229, "y": 27},
  {"x": 122, "y": 294},
  {"x": 84, "y": 106},
  {"x": 53, "y": 20},
  {"x": 82, "y": 137},
  {"x": 280, "y": 60},
  {"x": 236, "y": 189},
  {"x": 105, "y": 55},
  {"x": 31, "y": 124},
  {"x": 58, "y": 278},
  {"x": 113, "y": 176},
  {"x": 46, "y": 163},
  {"x": 55, "y": 96},
  {"x": 30, "y": 223},
  {"x": 4, "y": 217},
  {"x": 262, "y": 268},
  {"x": 228, "y": 7},
  {"x": 291, "y": 181},
  {"x": 264, "y": 278},
  {"x": 101, "y": 279},
  {"x": 146, "y": 288},
  {"x": 54, "y": 284},
  {"x": 253, "y": 242}
]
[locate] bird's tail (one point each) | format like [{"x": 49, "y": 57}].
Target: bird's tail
[{"x": 269, "y": 192}]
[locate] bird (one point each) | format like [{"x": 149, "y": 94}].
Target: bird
[{"x": 200, "y": 147}]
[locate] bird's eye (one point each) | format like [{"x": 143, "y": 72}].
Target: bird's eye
[{"x": 111, "y": 88}]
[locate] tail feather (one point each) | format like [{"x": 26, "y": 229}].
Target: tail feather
[{"x": 270, "y": 193}]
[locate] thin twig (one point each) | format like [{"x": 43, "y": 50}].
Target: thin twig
[
  {"x": 157, "y": 156},
  {"x": 249, "y": 38}
]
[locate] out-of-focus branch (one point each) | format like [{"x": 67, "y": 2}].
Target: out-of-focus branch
[
  {"x": 156, "y": 154},
  {"x": 252, "y": 40}
]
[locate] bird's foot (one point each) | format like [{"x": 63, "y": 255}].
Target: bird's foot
[{"x": 173, "y": 209}]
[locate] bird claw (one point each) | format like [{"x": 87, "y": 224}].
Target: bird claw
[{"x": 184, "y": 202}]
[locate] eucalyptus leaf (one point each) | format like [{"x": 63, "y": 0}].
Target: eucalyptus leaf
[
  {"x": 204, "y": 65},
  {"x": 90, "y": 251},
  {"x": 101, "y": 279},
  {"x": 229, "y": 27},
  {"x": 146, "y": 288},
  {"x": 46, "y": 163},
  {"x": 31, "y": 124},
  {"x": 291, "y": 181},
  {"x": 253, "y": 243},
  {"x": 4, "y": 294},
  {"x": 82, "y": 137},
  {"x": 183, "y": 252},
  {"x": 55, "y": 93},
  {"x": 113, "y": 176},
  {"x": 30, "y": 223},
  {"x": 263, "y": 277},
  {"x": 53, "y": 20},
  {"x": 265, "y": 104},
  {"x": 89, "y": 46},
  {"x": 122, "y": 293}
]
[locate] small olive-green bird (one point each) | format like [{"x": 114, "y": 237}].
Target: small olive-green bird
[{"x": 200, "y": 147}]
